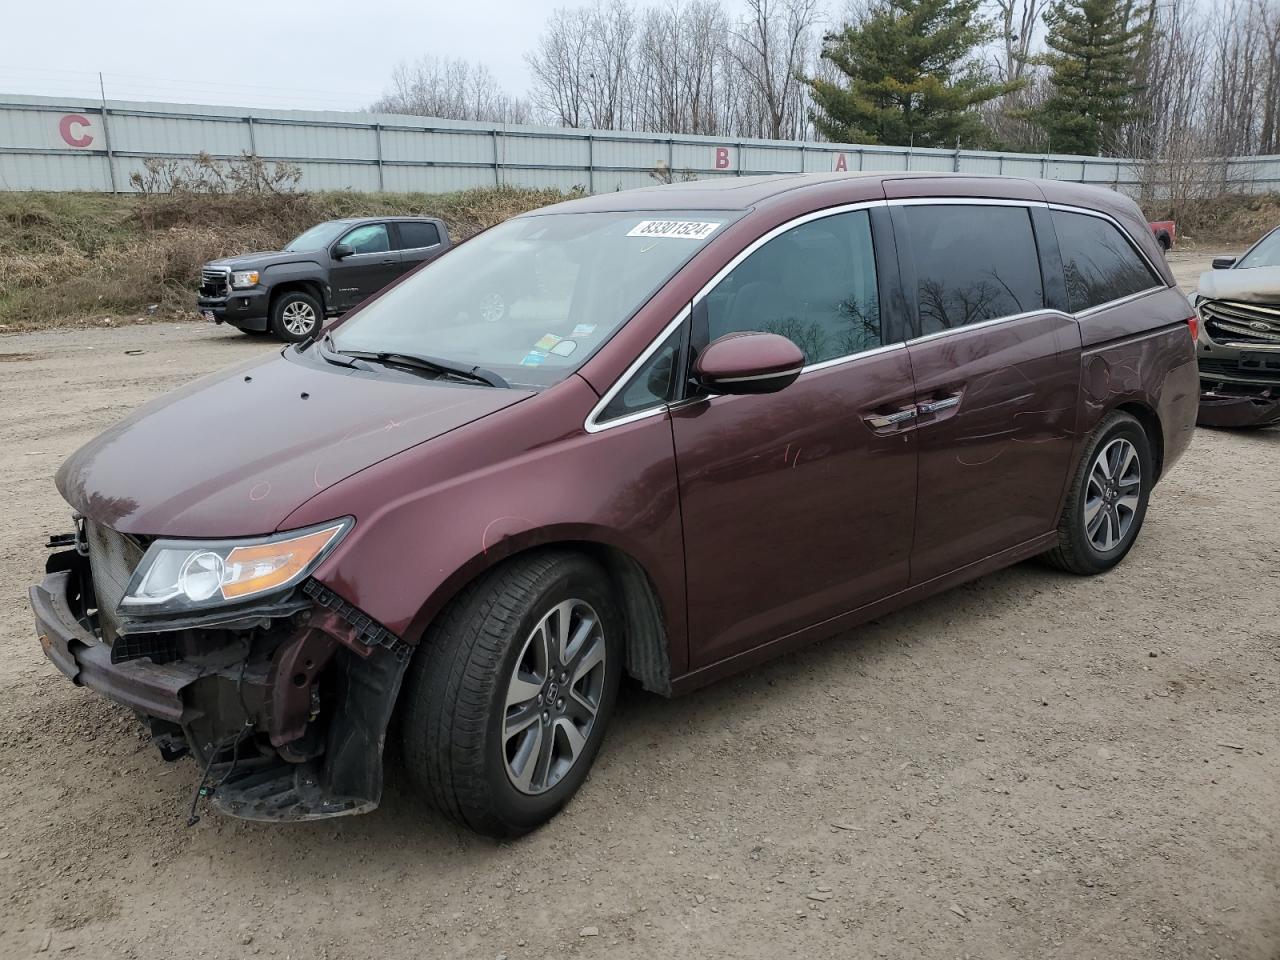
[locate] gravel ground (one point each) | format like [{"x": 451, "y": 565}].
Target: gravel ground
[{"x": 1030, "y": 765}]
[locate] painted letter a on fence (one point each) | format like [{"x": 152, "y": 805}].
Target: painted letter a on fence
[{"x": 842, "y": 162}]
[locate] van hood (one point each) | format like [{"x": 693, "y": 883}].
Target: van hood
[{"x": 235, "y": 453}]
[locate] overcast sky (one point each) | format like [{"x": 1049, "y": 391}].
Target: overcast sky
[{"x": 317, "y": 54}]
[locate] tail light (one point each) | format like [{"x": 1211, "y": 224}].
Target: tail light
[{"x": 1193, "y": 325}]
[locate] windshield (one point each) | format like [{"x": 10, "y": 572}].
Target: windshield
[
  {"x": 533, "y": 297},
  {"x": 317, "y": 238},
  {"x": 1265, "y": 254}
]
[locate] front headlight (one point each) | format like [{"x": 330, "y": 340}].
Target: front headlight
[
  {"x": 181, "y": 575},
  {"x": 244, "y": 278}
]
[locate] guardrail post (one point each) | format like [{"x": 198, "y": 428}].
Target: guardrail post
[
  {"x": 591, "y": 164},
  {"x": 253, "y": 143},
  {"x": 377, "y": 140},
  {"x": 497, "y": 161}
]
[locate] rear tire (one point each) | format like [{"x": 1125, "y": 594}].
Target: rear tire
[
  {"x": 484, "y": 696},
  {"x": 295, "y": 316},
  {"x": 1107, "y": 501}
]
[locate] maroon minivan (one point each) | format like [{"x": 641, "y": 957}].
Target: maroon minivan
[{"x": 666, "y": 433}]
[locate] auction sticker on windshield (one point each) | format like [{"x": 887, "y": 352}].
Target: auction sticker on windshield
[{"x": 677, "y": 229}]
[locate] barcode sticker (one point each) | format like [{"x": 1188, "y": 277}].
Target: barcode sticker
[{"x": 677, "y": 229}]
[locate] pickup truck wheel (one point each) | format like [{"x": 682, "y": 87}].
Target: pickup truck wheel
[
  {"x": 295, "y": 316},
  {"x": 1108, "y": 498},
  {"x": 508, "y": 696}
]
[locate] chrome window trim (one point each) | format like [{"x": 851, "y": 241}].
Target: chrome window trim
[
  {"x": 592, "y": 425},
  {"x": 964, "y": 202},
  {"x": 990, "y": 322},
  {"x": 1083, "y": 314},
  {"x": 1068, "y": 208}
]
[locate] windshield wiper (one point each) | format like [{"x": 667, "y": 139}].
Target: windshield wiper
[
  {"x": 339, "y": 359},
  {"x": 434, "y": 364}
]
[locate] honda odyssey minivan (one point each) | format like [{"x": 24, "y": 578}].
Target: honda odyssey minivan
[{"x": 665, "y": 433}]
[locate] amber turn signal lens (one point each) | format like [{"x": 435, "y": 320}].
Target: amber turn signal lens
[{"x": 251, "y": 570}]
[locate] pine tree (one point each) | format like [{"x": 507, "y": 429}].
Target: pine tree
[
  {"x": 1094, "y": 51},
  {"x": 911, "y": 76}
]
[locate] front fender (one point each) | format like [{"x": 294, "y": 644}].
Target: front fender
[{"x": 431, "y": 519}]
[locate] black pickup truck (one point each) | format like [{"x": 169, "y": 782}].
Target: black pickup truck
[{"x": 324, "y": 272}]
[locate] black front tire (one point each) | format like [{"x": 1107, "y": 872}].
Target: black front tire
[
  {"x": 455, "y": 706},
  {"x": 295, "y": 316},
  {"x": 1076, "y": 551}
]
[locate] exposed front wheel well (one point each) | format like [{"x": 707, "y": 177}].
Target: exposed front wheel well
[{"x": 647, "y": 658}]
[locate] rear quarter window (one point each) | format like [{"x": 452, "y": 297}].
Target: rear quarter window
[{"x": 1098, "y": 261}]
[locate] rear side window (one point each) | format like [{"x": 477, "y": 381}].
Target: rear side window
[
  {"x": 1098, "y": 261},
  {"x": 414, "y": 235},
  {"x": 814, "y": 284},
  {"x": 973, "y": 263}
]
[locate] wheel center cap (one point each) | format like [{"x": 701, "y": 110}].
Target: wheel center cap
[{"x": 553, "y": 691}]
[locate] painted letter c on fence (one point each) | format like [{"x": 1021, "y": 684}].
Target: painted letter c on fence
[
  {"x": 722, "y": 158},
  {"x": 69, "y": 136}
]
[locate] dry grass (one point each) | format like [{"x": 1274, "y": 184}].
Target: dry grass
[
  {"x": 1231, "y": 220},
  {"x": 69, "y": 258},
  {"x": 72, "y": 258}
]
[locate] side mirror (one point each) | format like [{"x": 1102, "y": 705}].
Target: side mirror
[
  {"x": 342, "y": 250},
  {"x": 749, "y": 363},
  {"x": 1223, "y": 263}
]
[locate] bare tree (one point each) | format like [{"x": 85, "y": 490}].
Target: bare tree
[
  {"x": 452, "y": 90},
  {"x": 1017, "y": 22},
  {"x": 560, "y": 68},
  {"x": 773, "y": 47}
]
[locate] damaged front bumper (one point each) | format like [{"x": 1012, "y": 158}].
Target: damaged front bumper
[
  {"x": 285, "y": 706},
  {"x": 1223, "y": 409}
]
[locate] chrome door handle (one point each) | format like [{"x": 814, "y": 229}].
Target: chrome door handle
[
  {"x": 881, "y": 420},
  {"x": 937, "y": 406}
]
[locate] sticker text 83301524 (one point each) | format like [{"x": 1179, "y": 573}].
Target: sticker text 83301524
[{"x": 675, "y": 229}]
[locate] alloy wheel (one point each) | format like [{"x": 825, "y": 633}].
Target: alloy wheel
[
  {"x": 553, "y": 696},
  {"x": 1112, "y": 494},
  {"x": 298, "y": 317}
]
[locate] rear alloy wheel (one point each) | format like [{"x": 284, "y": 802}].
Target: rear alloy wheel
[
  {"x": 507, "y": 699},
  {"x": 295, "y": 316},
  {"x": 1112, "y": 495},
  {"x": 1108, "y": 498}
]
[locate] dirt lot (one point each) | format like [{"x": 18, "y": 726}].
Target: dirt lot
[{"x": 1031, "y": 765}]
